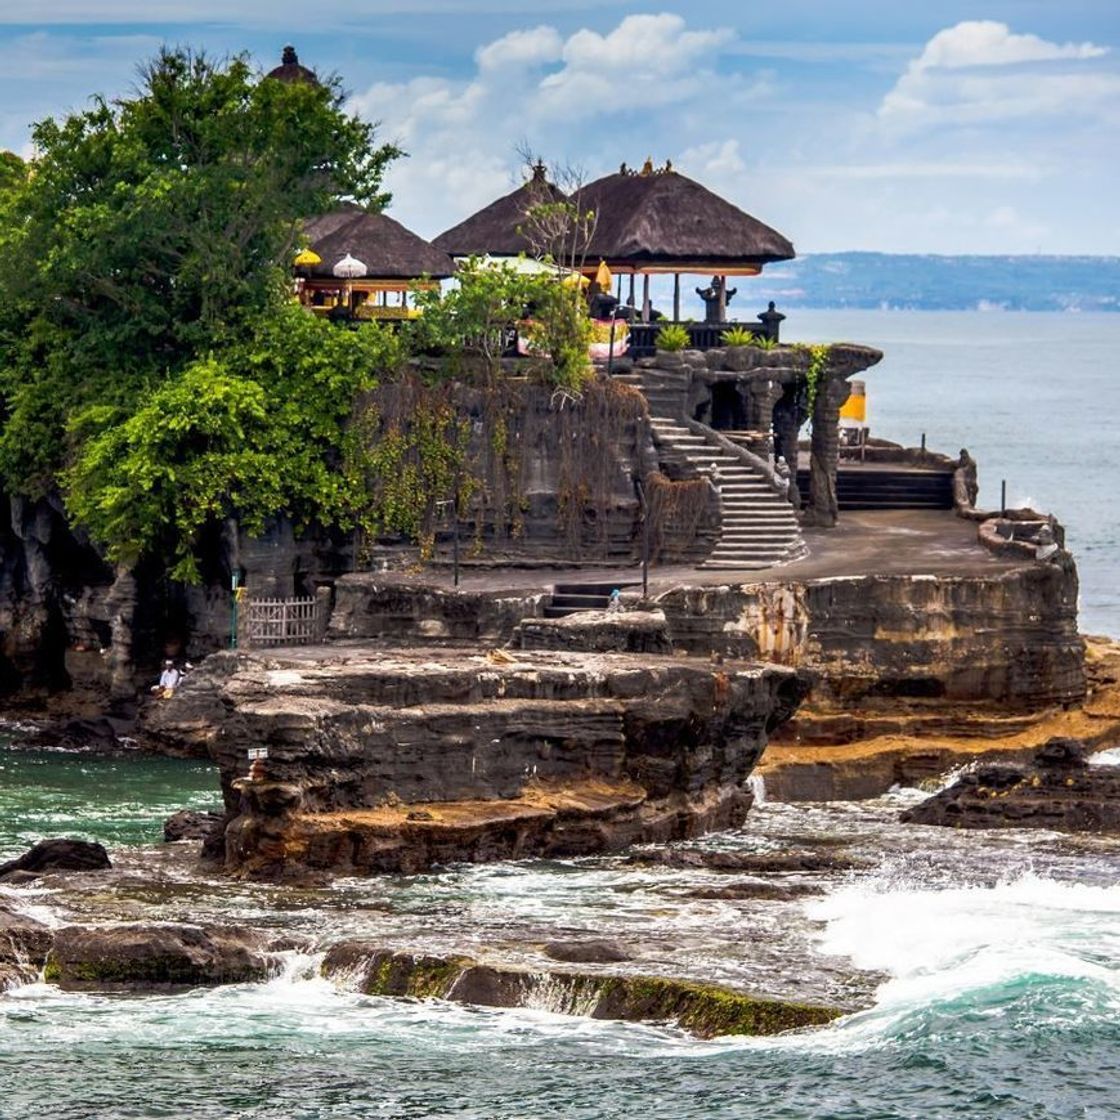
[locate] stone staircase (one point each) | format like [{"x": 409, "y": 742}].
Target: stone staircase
[
  {"x": 758, "y": 527},
  {"x": 571, "y": 598}
]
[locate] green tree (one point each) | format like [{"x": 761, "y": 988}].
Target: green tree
[
  {"x": 259, "y": 432},
  {"x": 152, "y": 229}
]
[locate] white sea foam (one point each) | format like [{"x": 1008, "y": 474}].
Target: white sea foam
[{"x": 1110, "y": 757}]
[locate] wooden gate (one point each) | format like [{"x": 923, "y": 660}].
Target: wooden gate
[{"x": 281, "y": 622}]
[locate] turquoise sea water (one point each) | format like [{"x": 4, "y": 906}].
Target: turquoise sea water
[
  {"x": 992, "y": 984},
  {"x": 115, "y": 800}
]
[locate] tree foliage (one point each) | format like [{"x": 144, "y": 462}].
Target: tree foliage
[
  {"x": 257, "y": 432},
  {"x": 489, "y": 299},
  {"x": 151, "y": 229}
]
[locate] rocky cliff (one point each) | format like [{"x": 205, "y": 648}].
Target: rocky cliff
[{"x": 388, "y": 759}]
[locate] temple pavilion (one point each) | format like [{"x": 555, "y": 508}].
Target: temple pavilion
[
  {"x": 363, "y": 265},
  {"x": 654, "y": 221}
]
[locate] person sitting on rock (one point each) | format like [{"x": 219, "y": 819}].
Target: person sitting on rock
[{"x": 168, "y": 681}]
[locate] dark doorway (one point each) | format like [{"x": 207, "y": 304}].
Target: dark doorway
[{"x": 728, "y": 411}]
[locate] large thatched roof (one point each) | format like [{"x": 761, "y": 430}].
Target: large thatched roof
[
  {"x": 661, "y": 219},
  {"x": 495, "y": 230},
  {"x": 385, "y": 247}
]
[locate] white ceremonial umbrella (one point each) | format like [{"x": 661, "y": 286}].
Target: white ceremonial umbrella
[{"x": 350, "y": 268}]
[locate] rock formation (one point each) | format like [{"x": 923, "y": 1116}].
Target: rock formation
[
  {"x": 59, "y": 855},
  {"x": 701, "y": 1009},
  {"x": 1057, "y": 790},
  {"x": 394, "y": 759},
  {"x": 154, "y": 957}
]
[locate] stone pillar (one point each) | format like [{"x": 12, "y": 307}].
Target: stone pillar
[
  {"x": 823, "y": 509},
  {"x": 788, "y": 417}
]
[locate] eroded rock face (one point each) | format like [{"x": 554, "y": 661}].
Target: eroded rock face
[
  {"x": 1008, "y": 636},
  {"x": 154, "y": 957},
  {"x": 507, "y": 755},
  {"x": 704, "y": 1010},
  {"x": 1057, "y": 790},
  {"x": 23, "y": 947},
  {"x": 59, "y": 855}
]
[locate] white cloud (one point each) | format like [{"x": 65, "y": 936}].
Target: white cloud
[
  {"x": 984, "y": 42},
  {"x": 522, "y": 48},
  {"x": 584, "y": 98},
  {"x": 980, "y": 70}
]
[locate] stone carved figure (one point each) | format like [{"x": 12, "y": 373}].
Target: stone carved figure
[
  {"x": 785, "y": 476},
  {"x": 716, "y": 296}
]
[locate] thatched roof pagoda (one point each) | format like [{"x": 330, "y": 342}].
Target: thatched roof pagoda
[
  {"x": 389, "y": 251},
  {"x": 290, "y": 69},
  {"x": 662, "y": 221},
  {"x": 496, "y": 230},
  {"x": 357, "y": 259}
]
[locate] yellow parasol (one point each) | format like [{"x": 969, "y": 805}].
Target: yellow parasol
[
  {"x": 573, "y": 279},
  {"x": 307, "y": 258},
  {"x": 603, "y": 277}
]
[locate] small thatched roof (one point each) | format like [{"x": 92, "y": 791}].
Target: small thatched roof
[
  {"x": 494, "y": 230},
  {"x": 385, "y": 247},
  {"x": 290, "y": 69},
  {"x": 661, "y": 219}
]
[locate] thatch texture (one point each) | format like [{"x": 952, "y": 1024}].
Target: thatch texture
[
  {"x": 385, "y": 247},
  {"x": 496, "y": 229},
  {"x": 664, "y": 219},
  {"x": 290, "y": 69}
]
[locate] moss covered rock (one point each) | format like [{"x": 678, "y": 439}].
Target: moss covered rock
[
  {"x": 154, "y": 957},
  {"x": 704, "y": 1010}
]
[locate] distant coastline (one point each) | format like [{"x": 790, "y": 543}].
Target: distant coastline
[{"x": 920, "y": 282}]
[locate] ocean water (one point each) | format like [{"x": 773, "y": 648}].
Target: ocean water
[
  {"x": 983, "y": 970},
  {"x": 1034, "y": 396}
]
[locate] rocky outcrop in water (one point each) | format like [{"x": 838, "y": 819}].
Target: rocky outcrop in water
[
  {"x": 59, "y": 855},
  {"x": 1058, "y": 790},
  {"x": 395, "y": 759},
  {"x": 703, "y": 1010},
  {"x": 154, "y": 957}
]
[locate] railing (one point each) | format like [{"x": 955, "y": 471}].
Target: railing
[
  {"x": 702, "y": 336},
  {"x": 282, "y": 622}
]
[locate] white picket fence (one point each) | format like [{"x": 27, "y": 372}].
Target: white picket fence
[{"x": 281, "y": 622}]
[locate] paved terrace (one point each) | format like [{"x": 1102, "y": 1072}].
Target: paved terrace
[{"x": 879, "y": 542}]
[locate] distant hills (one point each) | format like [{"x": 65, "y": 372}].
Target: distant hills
[{"x": 937, "y": 283}]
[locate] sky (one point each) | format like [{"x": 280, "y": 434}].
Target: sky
[{"x": 938, "y": 126}]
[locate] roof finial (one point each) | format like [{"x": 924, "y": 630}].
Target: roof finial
[
  {"x": 623, "y": 169},
  {"x": 647, "y": 167},
  {"x": 540, "y": 172},
  {"x": 289, "y": 57}
]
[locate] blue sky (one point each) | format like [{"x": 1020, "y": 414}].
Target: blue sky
[{"x": 903, "y": 127}]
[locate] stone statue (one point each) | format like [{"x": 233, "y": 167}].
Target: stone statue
[
  {"x": 716, "y": 297},
  {"x": 785, "y": 476},
  {"x": 1045, "y": 541}
]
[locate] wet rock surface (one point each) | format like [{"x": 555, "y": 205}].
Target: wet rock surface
[
  {"x": 190, "y": 824},
  {"x": 1057, "y": 790},
  {"x": 586, "y": 952},
  {"x": 23, "y": 947},
  {"x": 58, "y": 855},
  {"x": 151, "y": 957},
  {"x": 704, "y": 1010},
  {"x": 758, "y": 863}
]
